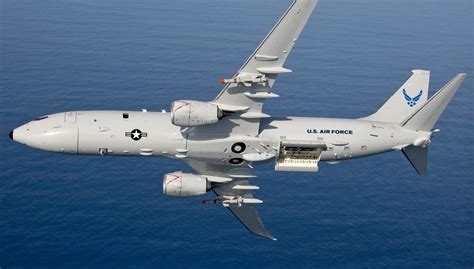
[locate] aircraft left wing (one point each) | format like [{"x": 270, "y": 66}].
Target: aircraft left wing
[
  {"x": 246, "y": 91},
  {"x": 234, "y": 191},
  {"x": 238, "y": 198}
]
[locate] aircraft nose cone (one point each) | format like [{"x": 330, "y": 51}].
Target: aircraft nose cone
[{"x": 11, "y": 134}]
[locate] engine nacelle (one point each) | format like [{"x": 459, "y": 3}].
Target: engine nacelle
[
  {"x": 187, "y": 113},
  {"x": 184, "y": 184}
]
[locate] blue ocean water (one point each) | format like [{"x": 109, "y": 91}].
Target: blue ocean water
[{"x": 88, "y": 211}]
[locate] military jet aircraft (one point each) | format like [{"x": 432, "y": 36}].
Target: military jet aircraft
[{"x": 223, "y": 139}]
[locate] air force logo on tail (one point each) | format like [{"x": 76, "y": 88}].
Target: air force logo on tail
[{"x": 411, "y": 101}]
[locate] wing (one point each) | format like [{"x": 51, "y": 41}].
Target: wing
[
  {"x": 407, "y": 97},
  {"x": 245, "y": 212},
  {"x": 234, "y": 191},
  {"x": 245, "y": 93}
]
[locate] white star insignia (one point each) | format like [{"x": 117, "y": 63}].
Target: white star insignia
[{"x": 136, "y": 134}]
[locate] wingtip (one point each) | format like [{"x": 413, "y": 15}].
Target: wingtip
[
  {"x": 269, "y": 236},
  {"x": 459, "y": 77},
  {"x": 265, "y": 234}
]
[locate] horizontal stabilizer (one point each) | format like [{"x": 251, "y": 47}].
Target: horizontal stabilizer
[
  {"x": 426, "y": 116},
  {"x": 418, "y": 157}
]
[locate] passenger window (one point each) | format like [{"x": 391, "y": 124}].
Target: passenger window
[{"x": 125, "y": 115}]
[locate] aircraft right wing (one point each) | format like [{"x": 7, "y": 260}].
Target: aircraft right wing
[{"x": 246, "y": 91}]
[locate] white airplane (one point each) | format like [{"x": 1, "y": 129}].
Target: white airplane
[{"x": 223, "y": 139}]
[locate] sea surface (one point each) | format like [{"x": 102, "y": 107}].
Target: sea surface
[{"x": 63, "y": 211}]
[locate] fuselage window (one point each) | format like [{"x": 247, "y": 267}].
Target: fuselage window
[{"x": 125, "y": 115}]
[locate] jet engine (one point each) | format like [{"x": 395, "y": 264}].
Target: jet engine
[
  {"x": 188, "y": 113},
  {"x": 185, "y": 184}
]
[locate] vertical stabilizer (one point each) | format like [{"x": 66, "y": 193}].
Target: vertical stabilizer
[{"x": 411, "y": 95}]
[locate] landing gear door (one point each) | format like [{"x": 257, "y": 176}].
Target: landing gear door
[{"x": 299, "y": 156}]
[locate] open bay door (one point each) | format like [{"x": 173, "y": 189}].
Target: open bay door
[{"x": 299, "y": 156}]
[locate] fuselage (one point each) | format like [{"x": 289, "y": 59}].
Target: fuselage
[{"x": 132, "y": 133}]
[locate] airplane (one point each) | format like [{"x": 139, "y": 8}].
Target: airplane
[{"x": 223, "y": 139}]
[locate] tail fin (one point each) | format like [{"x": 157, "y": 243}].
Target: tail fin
[
  {"x": 426, "y": 116},
  {"x": 411, "y": 95}
]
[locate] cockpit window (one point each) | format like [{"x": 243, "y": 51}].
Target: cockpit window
[{"x": 41, "y": 118}]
